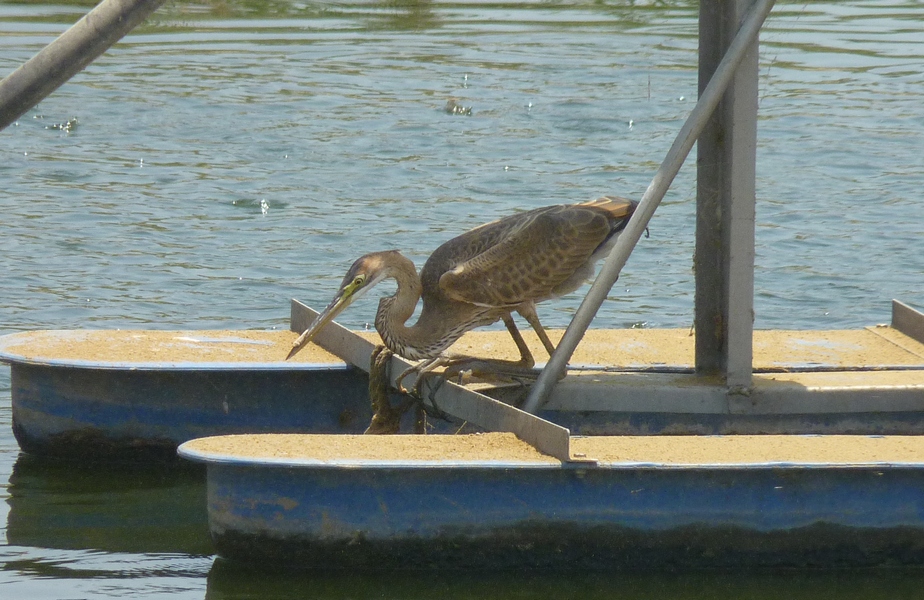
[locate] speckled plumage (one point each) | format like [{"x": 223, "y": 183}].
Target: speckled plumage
[{"x": 532, "y": 256}]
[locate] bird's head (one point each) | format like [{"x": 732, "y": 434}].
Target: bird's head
[{"x": 366, "y": 271}]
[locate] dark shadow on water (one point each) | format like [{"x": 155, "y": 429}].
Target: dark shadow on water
[
  {"x": 230, "y": 582},
  {"x": 110, "y": 508}
]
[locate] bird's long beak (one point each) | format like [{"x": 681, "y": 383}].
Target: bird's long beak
[{"x": 337, "y": 305}]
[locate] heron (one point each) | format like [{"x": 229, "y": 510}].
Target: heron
[{"x": 482, "y": 276}]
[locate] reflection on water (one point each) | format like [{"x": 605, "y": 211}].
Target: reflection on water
[
  {"x": 408, "y": 14},
  {"x": 76, "y": 531},
  {"x": 227, "y": 582},
  {"x": 111, "y": 508},
  {"x": 233, "y": 154}
]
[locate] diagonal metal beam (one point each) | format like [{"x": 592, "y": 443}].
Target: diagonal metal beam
[
  {"x": 69, "y": 54},
  {"x": 447, "y": 397}
]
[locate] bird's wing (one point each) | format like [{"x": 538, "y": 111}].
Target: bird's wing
[{"x": 529, "y": 260}]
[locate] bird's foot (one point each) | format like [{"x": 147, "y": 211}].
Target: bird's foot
[
  {"x": 421, "y": 368},
  {"x": 493, "y": 371},
  {"x": 459, "y": 367}
]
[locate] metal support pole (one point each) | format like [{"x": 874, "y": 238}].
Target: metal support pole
[
  {"x": 69, "y": 54},
  {"x": 725, "y": 199},
  {"x": 708, "y": 100}
]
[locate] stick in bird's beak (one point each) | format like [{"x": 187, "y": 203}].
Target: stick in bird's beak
[{"x": 340, "y": 302}]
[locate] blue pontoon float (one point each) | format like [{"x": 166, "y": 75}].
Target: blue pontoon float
[{"x": 271, "y": 503}]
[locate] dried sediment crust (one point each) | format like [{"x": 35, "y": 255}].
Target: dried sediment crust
[
  {"x": 442, "y": 448},
  {"x": 506, "y": 447},
  {"x": 610, "y": 347},
  {"x": 752, "y": 449},
  {"x": 146, "y": 346}
]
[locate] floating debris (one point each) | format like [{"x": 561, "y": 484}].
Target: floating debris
[
  {"x": 66, "y": 126},
  {"x": 454, "y": 108},
  {"x": 252, "y": 204}
]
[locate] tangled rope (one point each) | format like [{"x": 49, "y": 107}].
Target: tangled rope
[{"x": 385, "y": 417}]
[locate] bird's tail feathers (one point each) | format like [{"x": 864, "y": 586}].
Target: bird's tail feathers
[{"x": 617, "y": 207}]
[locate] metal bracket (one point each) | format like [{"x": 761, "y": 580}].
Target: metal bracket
[
  {"x": 455, "y": 400},
  {"x": 908, "y": 321}
]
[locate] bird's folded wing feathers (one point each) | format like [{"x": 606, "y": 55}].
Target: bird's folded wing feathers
[{"x": 531, "y": 260}]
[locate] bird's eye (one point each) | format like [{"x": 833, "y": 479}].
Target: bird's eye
[{"x": 359, "y": 280}]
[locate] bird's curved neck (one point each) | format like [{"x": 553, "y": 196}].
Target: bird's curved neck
[{"x": 394, "y": 311}]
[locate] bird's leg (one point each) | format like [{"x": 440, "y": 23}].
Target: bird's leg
[
  {"x": 528, "y": 311},
  {"x": 526, "y": 357}
]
